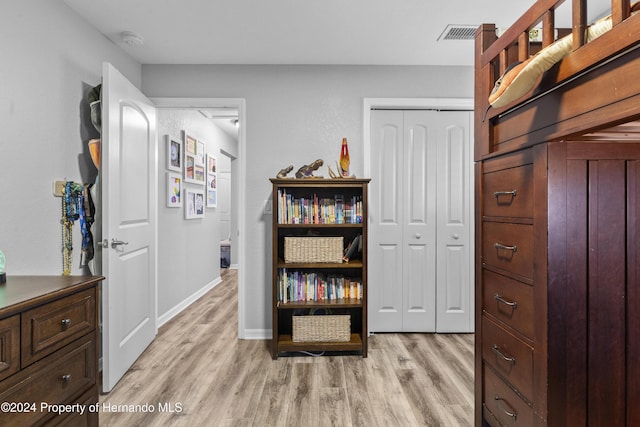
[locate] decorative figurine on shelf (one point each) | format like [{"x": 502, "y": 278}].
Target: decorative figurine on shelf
[
  {"x": 3, "y": 275},
  {"x": 283, "y": 172},
  {"x": 306, "y": 171}
]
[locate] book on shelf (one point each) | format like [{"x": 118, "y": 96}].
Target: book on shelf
[
  {"x": 296, "y": 286},
  {"x": 318, "y": 210}
]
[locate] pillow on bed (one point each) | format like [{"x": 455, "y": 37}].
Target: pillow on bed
[{"x": 521, "y": 77}]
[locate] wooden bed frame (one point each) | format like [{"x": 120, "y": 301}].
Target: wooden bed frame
[
  {"x": 558, "y": 227},
  {"x": 601, "y": 87}
]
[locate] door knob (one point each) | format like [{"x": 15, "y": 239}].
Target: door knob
[
  {"x": 115, "y": 243},
  {"x": 455, "y": 236},
  {"x": 418, "y": 235}
]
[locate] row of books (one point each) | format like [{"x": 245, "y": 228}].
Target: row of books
[
  {"x": 294, "y": 286},
  {"x": 319, "y": 210}
]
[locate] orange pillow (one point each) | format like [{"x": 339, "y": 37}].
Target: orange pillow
[{"x": 521, "y": 77}]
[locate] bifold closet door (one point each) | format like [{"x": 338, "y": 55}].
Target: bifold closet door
[
  {"x": 403, "y": 219},
  {"x": 419, "y": 221}
]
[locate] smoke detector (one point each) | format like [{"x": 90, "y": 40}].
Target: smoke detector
[
  {"x": 458, "y": 32},
  {"x": 132, "y": 39}
]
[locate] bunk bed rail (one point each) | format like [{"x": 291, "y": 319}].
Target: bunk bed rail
[{"x": 495, "y": 54}]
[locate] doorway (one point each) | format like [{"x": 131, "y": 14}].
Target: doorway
[
  {"x": 421, "y": 212},
  {"x": 238, "y": 179}
]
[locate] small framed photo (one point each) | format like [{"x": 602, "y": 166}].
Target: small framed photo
[
  {"x": 190, "y": 144},
  {"x": 199, "y": 173},
  {"x": 194, "y": 204},
  {"x": 174, "y": 154},
  {"x": 174, "y": 190},
  {"x": 200, "y": 152},
  {"x": 212, "y": 163},
  {"x": 189, "y": 168},
  {"x": 212, "y": 182}
]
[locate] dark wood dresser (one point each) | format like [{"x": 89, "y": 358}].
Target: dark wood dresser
[
  {"x": 49, "y": 350},
  {"x": 558, "y": 275}
]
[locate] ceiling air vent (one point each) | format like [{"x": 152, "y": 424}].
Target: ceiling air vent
[{"x": 458, "y": 32}]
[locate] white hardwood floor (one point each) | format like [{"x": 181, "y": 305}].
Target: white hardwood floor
[{"x": 197, "y": 373}]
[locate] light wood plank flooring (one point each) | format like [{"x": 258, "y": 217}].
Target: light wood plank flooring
[{"x": 199, "y": 369}]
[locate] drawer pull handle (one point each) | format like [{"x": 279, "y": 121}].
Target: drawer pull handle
[
  {"x": 511, "y": 193},
  {"x": 509, "y": 412},
  {"x": 511, "y": 304},
  {"x": 66, "y": 379},
  {"x": 65, "y": 324},
  {"x": 513, "y": 249},
  {"x": 511, "y": 360}
]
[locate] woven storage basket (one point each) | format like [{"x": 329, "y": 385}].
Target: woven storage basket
[
  {"x": 323, "y": 328},
  {"x": 313, "y": 249}
]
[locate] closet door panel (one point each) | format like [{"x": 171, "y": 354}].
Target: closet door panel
[
  {"x": 420, "y": 138},
  {"x": 386, "y": 222},
  {"x": 454, "y": 302}
]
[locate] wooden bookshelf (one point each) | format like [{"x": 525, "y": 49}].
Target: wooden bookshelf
[{"x": 319, "y": 208}]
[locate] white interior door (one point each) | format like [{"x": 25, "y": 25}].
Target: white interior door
[
  {"x": 420, "y": 269},
  {"x": 129, "y": 205},
  {"x": 386, "y": 210},
  {"x": 224, "y": 195},
  {"x": 419, "y": 169},
  {"x": 454, "y": 293}
]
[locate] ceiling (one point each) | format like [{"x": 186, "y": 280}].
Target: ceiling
[{"x": 336, "y": 32}]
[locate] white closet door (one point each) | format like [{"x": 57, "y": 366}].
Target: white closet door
[
  {"x": 455, "y": 215},
  {"x": 420, "y": 262},
  {"x": 419, "y": 221},
  {"x": 386, "y": 212}
]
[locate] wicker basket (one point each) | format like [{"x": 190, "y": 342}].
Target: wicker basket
[
  {"x": 313, "y": 249},
  {"x": 322, "y": 328}
]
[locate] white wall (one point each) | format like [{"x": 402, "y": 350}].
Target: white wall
[
  {"x": 188, "y": 250},
  {"x": 50, "y": 60},
  {"x": 295, "y": 114}
]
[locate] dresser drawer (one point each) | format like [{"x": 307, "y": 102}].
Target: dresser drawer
[
  {"x": 509, "y": 301},
  {"x": 503, "y": 403},
  {"x": 51, "y": 326},
  {"x": 509, "y": 356},
  {"x": 508, "y": 246},
  {"x": 508, "y": 192},
  {"x": 60, "y": 377},
  {"x": 9, "y": 346}
]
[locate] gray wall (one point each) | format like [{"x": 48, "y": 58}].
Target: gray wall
[
  {"x": 50, "y": 60},
  {"x": 295, "y": 114}
]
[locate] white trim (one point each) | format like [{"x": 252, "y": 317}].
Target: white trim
[
  {"x": 258, "y": 334},
  {"x": 187, "y": 302},
  {"x": 240, "y": 104}
]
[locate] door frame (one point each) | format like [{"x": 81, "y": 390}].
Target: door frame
[
  {"x": 449, "y": 104},
  {"x": 463, "y": 104},
  {"x": 240, "y": 105}
]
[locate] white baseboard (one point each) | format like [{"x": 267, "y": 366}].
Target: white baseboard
[
  {"x": 187, "y": 302},
  {"x": 257, "y": 334}
]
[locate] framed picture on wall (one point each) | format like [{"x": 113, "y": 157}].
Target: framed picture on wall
[
  {"x": 194, "y": 204},
  {"x": 174, "y": 190},
  {"x": 190, "y": 144},
  {"x": 200, "y": 152},
  {"x": 174, "y": 154},
  {"x": 212, "y": 181}
]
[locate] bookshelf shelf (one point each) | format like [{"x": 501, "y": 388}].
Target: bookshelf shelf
[{"x": 319, "y": 208}]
